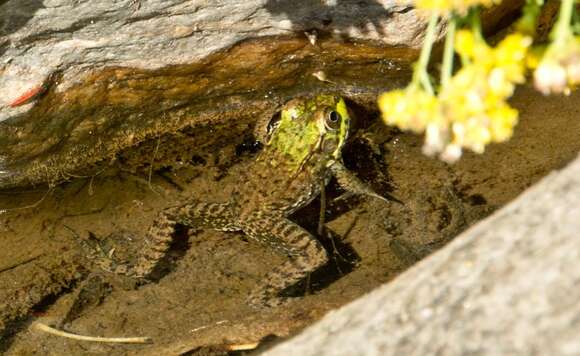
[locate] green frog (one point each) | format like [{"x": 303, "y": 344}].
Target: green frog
[{"x": 302, "y": 152}]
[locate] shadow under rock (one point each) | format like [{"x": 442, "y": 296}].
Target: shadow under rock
[{"x": 338, "y": 16}]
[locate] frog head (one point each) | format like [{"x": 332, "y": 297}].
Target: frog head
[{"x": 312, "y": 128}]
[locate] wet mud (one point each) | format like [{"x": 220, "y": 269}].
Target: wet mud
[{"x": 195, "y": 302}]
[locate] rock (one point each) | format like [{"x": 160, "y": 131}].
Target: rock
[
  {"x": 506, "y": 286},
  {"x": 81, "y": 80}
]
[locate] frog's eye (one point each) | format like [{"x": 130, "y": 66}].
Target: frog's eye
[
  {"x": 332, "y": 121},
  {"x": 273, "y": 124}
]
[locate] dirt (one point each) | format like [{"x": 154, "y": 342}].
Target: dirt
[{"x": 195, "y": 304}]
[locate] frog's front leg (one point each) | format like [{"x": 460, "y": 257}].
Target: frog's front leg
[
  {"x": 352, "y": 184},
  {"x": 195, "y": 215},
  {"x": 305, "y": 255}
]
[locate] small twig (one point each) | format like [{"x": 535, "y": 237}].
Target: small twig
[
  {"x": 67, "y": 175},
  {"x": 242, "y": 347},
  {"x": 335, "y": 253},
  {"x": 151, "y": 164},
  {"x": 335, "y": 250},
  {"x": 322, "y": 213},
  {"x": 17, "y": 264},
  {"x": 139, "y": 180},
  {"x": 123, "y": 340},
  {"x": 20, "y": 192},
  {"x": 207, "y": 326},
  {"x": 34, "y": 205},
  {"x": 90, "y": 189}
]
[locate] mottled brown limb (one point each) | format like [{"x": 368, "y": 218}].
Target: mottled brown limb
[
  {"x": 195, "y": 215},
  {"x": 305, "y": 255},
  {"x": 352, "y": 184}
]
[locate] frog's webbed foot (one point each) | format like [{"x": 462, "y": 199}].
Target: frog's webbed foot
[
  {"x": 103, "y": 253},
  {"x": 353, "y": 185},
  {"x": 159, "y": 238},
  {"x": 305, "y": 255}
]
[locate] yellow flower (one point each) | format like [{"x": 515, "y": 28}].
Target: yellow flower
[
  {"x": 535, "y": 56},
  {"x": 502, "y": 121},
  {"x": 465, "y": 43},
  {"x": 474, "y": 101},
  {"x": 499, "y": 85},
  {"x": 510, "y": 55},
  {"x": 409, "y": 109},
  {"x": 476, "y": 134},
  {"x": 459, "y": 6},
  {"x": 471, "y": 47},
  {"x": 470, "y": 111}
]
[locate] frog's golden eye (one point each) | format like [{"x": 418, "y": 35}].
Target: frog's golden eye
[{"x": 332, "y": 121}]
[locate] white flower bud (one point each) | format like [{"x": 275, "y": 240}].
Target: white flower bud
[
  {"x": 451, "y": 153},
  {"x": 550, "y": 77}
]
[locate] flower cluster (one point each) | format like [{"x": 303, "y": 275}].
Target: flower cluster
[
  {"x": 558, "y": 71},
  {"x": 447, "y": 6},
  {"x": 409, "y": 109},
  {"x": 470, "y": 110}
]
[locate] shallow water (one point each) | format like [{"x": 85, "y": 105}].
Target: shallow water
[{"x": 198, "y": 300}]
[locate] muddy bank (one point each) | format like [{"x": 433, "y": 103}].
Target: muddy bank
[{"x": 198, "y": 299}]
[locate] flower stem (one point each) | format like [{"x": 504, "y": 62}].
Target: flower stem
[
  {"x": 447, "y": 65},
  {"x": 476, "y": 23},
  {"x": 420, "y": 74},
  {"x": 562, "y": 29}
]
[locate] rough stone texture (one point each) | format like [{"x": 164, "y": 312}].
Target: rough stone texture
[
  {"x": 40, "y": 36},
  {"x": 104, "y": 75},
  {"x": 507, "y": 286}
]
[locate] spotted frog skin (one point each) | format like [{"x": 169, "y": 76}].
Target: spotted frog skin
[{"x": 303, "y": 150}]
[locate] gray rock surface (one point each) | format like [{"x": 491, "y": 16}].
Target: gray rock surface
[
  {"x": 507, "y": 286},
  {"x": 81, "y": 80},
  {"x": 37, "y": 37}
]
